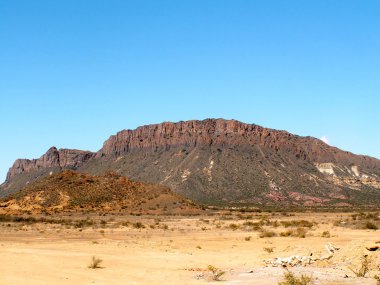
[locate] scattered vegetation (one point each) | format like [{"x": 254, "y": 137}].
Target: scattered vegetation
[
  {"x": 291, "y": 279},
  {"x": 367, "y": 221},
  {"x": 299, "y": 232},
  {"x": 297, "y": 223},
  {"x": 251, "y": 226},
  {"x": 138, "y": 225},
  {"x": 267, "y": 234},
  {"x": 32, "y": 220}
]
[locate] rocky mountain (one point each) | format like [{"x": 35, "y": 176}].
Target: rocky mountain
[
  {"x": 73, "y": 191},
  {"x": 220, "y": 161}
]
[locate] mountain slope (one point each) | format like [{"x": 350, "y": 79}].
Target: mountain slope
[{"x": 228, "y": 162}]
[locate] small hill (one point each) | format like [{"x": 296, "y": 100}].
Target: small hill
[{"x": 73, "y": 191}]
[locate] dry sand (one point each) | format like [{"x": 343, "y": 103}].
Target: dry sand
[{"x": 39, "y": 253}]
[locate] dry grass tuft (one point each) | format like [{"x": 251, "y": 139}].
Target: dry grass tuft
[
  {"x": 364, "y": 267},
  {"x": 267, "y": 234},
  {"x": 95, "y": 263},
  {"x": 291, "y": 279},
  {"x": 269, "y": 249},
  {"x": 299, "y": 232},
  {"x": 216, "y": 273}
]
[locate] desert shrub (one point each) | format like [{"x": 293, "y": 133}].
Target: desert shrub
[
  {"x": 371, "y": 226},
  {"x": 216, "y": 273},
  {"x": 363, "y": 268},
  {"x": 138, "y": 225},
  {"x": 291, "y": 279},
  {"x": 32, "y": 220},
  {"x": 268, "y": 249},
  {"x": 286, "y": 233},
  {"x": 95, "y": 263},
  {"x": 297, "y": 223},
  {"x": 299, "y": 232},
  {"x": 248, "y": 238},
  {"x": 252, "y": 226},
  {"x": 164, "y": 227},
  {"x": 366, "y": 216},
  {"x": 267, "y": 234},
  {"x": 125, "y": 224},
  {"x": 17, "y": 219},
  {"x": 234, "y": 227},
  {"x": 361, "y": 221},
  {"x": 83, "y": 223},
  {"x": 326, "y": 234}
]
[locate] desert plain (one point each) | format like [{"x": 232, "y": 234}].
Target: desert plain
[{"x": 227, "y": 247}]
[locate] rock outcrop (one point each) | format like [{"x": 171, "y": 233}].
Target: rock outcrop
[{"x": 62, "y": 158}]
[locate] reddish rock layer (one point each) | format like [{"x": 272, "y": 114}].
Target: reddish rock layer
[
  {"x": 52, "y": 158},
  {"x": 219, "y": 132}
]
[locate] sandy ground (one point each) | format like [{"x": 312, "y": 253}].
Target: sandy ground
[{"x": 56, "y": 254}]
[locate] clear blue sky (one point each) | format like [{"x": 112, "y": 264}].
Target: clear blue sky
[{"x": 73, "y": 72}]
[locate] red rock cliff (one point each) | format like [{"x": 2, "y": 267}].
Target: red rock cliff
[
  {"x": 219, "y": 132},
  {"x": 52, "y": 158}
]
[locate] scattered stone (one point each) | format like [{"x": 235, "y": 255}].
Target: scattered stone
[
  {"x": 372, "y": 248},
  {"x": 296, "y": 260}
]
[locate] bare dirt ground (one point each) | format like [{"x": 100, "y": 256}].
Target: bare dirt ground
[{"x": 179, "y": 249}]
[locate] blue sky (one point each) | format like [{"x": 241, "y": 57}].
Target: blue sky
[{"x": 74, "y": 72}]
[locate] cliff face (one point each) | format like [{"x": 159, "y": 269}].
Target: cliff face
[
  {"x": 222, "y": 162},
  {"x": 63, "y": 158},
  {"x": 228, "y": 133}
]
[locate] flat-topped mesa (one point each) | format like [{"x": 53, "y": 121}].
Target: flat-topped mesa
[
  {"x": 71, "y": 158},
  {"x": 165, "y": 135},
  {"x": 209, "y": 132},
  {"x": 220, "y": 132},
  {"x": 218, "y": 161}
]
